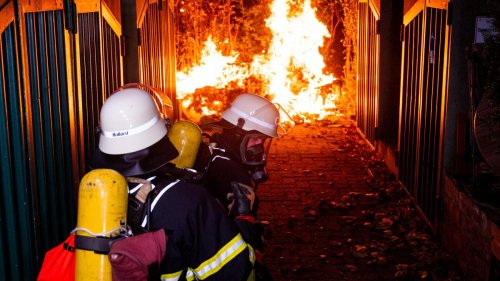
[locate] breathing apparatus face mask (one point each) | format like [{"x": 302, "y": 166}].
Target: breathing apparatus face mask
[{"x": 254, "y": 149}]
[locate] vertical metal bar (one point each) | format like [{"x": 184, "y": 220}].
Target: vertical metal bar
[
  {"x": 433, "y": 133},
  {"x": 421, "y": 77},
  {"x": 417, "y": 88},
  {"x": 171, "y": 86},
  {"x": 427, "y": 129},
  {"x": 66, "y": 186},
  {"x": 444, "y": 97},
  {"x": 106, "y": 59},
  {"x": 404, "y": 106},
  {"x": 152, "y": 39},
  {"x": 24, "y": 266},
  {"x": 115, "y": 59},
  {"x": 365, "y": 66},
  {"x": 33, "y": 70},
  {"x": 441, "y": 94},
  {"x": 422, "y": 108},
  {"x": 373, "y": 76},
  {"x": 45, "y": 156},
  {"x": 55, "y": 68},
  {"x": 409, "y": 102},
  {"x": 103, "y": 52},
  {"x": 157, "y": 55},
  {"x": 369, "y": 92},
  {"x": 51, "y": 116},
  {"x": 3, "y": 171},
  {"x": 155, "y": 47},
  {"x": 95, "y": 96},
  {"x": 374, "y": 97},
  {"x": 86, "y": 80},
  {"x": 4, "y": 151},
  {"x": 404, "y": 94},
  {"x": 411, "y": 92},
  {"x": 362, "y": 82},
  {"x": 421, "y": 164},
  {"x": 10, "y": 252}
]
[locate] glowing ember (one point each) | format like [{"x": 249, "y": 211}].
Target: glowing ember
[{"x": 291, "y": 70}]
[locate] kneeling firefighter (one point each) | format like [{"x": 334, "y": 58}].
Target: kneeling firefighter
[
  {"x": 202, "y": 242},
  {"x": 233, "y": 159}
]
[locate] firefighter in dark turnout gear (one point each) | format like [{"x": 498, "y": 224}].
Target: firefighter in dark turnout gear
[
  {"x": 203, "y": 243},
  {"x": 233, "y": 161},
  {"x": 237, "y": 151}
]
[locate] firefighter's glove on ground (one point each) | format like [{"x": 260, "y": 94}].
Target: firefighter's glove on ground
[{"x": 241, "y": 200}]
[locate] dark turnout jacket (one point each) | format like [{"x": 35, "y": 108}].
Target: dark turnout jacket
[
  {"x": 219, "y": 170},
  {"x": 203, "y": 242}
]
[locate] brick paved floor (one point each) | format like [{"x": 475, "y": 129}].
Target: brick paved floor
[{"x": 333, "y": 212}]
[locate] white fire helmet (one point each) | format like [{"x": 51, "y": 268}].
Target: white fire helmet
[
  {"x": 258, "y": 114},
  {"x": 130, "y": 121}
]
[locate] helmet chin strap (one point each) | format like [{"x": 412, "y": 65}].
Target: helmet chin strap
[{"x": 241, "y": 122}]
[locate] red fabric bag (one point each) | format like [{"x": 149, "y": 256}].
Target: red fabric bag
[{"x": 59, "y": 262}]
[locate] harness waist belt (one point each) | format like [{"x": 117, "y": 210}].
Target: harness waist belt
[{"x": 100, "y": 245}]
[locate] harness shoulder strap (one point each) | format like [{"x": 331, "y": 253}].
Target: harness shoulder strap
[{"x": 139, "y": 205}]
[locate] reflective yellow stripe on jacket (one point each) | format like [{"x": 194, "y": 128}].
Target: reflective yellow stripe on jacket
[
  {"x": 171, "y": 276},
  {"x": 215, "y": 263},
  {"x": 251, "y": 256}
]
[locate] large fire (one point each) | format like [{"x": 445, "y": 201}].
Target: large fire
[{"x": 290, "y": 71}]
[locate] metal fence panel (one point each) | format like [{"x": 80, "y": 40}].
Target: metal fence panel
[
  {"x": 100, "y": 74},
  {"x": 91, "y": 91},
  {"x": 422, "y": 110},
  {"x": 38, "y": 200},
  {"x": 43, "y": 135},
  {"x": 51, "y": 131},
  {"x": 157, "y": 51},
  {"x": 409, "y": 103},
  {"x": 368, "y": 66},
  {"x": 17, "y": 230}
]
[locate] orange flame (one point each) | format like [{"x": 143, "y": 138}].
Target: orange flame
[
  {"x": 291, "y": 69},
  {"x": 213, "y": 70}
]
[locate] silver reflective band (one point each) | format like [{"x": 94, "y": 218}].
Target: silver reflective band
[
  {"x": 220, "y": 259},
  {"x": 134, "y": 131},
  {"x": 153, "y": 204},
  {"x": 145, "y": 220},
  {"x": 253, "y": 119},
  {"x": 133, "y": 190}
]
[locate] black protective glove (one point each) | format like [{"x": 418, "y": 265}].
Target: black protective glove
[{"x": 243, "y": 198}]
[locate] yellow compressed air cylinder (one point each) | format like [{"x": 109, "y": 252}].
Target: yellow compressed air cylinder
[
  {"x": 102, "y": 208},
  {"x": 186, "y": 137}
]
